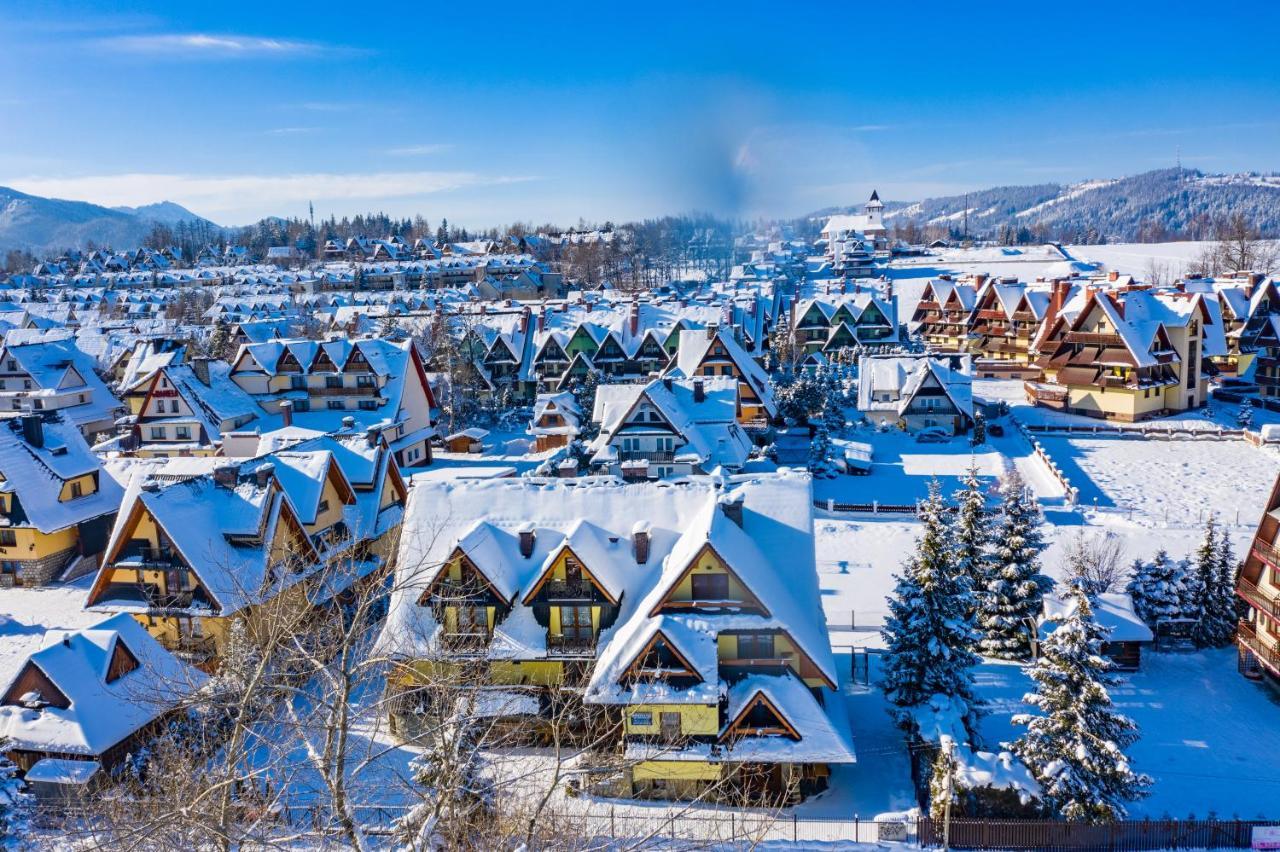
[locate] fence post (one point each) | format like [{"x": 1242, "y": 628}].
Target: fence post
[
  {"x": 831, "y": 504},
  {"x": 613, "y": 830},
  {"x": 795, "y": 827}
]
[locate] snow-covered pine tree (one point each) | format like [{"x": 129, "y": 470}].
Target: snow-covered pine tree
[
  {"x": 928, "y": 633},
  {"x": 979, "y": 429},
  {"x": 1215, "y": 624},
  {"x": 971, "y": 531},
  {"x": 1245, "y": 418},
  {"x": 1227, "y": 604},
  {"x": 1156, "y": 589},
  {"x": 220, "y": 341},
  {"x": 820, "y": 448},
  {"x": 1011, "y": 595},
  {"x": 16, "y": 805},
  {"x": 1075, "y": 745}
]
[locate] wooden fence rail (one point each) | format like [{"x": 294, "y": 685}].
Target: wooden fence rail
[{"x": 1136, "y": 835}]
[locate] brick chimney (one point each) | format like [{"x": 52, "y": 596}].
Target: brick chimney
[
  {"x": 732, "y": 508},
  {"x": 635, "y": 318},
  {"x": 699, "y": 390},
  {"x": 263, "y": 474},
  {"x": 286, "y": 413},
  {"x": 524, "y": 320},
  {"x": 200, "y": 367},
  {"x": 542, "y": 319},
  {"x": 1113, "y": 275},
  {"x": 226, "y": 475},
  {"x": 640, "y": 541},
  {"x": 528, "y": 536}
]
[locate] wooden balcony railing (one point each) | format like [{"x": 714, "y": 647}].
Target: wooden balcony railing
[
  {"x": 572, "y": 646},
  {"x": 1264, "y": 653},
  {"x": 1094, "y": 339},
  {"x": 1258, "y": 599}
]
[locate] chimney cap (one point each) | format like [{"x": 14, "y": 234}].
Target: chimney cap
[{"x": 641, "y": 528}]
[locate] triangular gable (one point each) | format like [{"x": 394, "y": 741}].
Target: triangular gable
[
  {"x": 467, "y": 564},
  {"x": 561, "y": 552},
  {"x": 706, "y": 548},
  {"x": 32, "y": 678},
  {"x": 777, "y": 723},
  {"x": 657, "y": 642},
  {"x": 121, "y": 663}
]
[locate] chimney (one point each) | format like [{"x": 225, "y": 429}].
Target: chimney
[
  {"x": 567, "y": 469},
  {"x": 524, "y": 320},
  {"x": 640, "y": 541},
  {"x": 635, "y": 318},
  {"x": 542, "y": 319},
  {"x": 666, "y": 382},
  {"x": 263, "y": 474},
  {"x": 979, "y": 280},
  {"x": 286, "y": 413},
  {"x": 699, "y": 390},
  {"x": 590, "y": 305},
  {"x": 713, "y": 328},
  {"x": 527, "y": 538},
  {"x": 1113, "y": 275},
  {"x": 226, "y": 475},
  {"x": 732, "y": 508},
  {"x": 33, "y": 430},
  {"x": 371, "y": 436},
  {"x": 348, "y": 423},
  {"x": 200, "y": 366}
]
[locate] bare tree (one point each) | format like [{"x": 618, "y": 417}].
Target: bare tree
[
  {"x": 1239, "y": 247},
  {"x": 1095, "y": 561}
]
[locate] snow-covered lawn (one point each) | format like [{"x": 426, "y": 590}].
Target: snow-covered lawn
[
  {"x": 901, "y": 468},
  {"x": 25, "y": 614},
  {"x": 1167, "y": 482},
  {"x": 1206, "y": 732}
]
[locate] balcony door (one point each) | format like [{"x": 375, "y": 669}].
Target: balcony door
[{"x": 575, "y": 623}]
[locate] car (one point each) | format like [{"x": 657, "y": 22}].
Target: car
[
  {"x": 995, "y": 430},
  {"x": 933, "y": 435}
]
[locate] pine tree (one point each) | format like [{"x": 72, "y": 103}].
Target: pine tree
[
  {"x": 1245, "y": 418},
  {"x": 1228, "y": 605},
  {"x": 928, "y": 633},
  {"x": 16, "y": 806},
  {"x": 971, "y": 536},
  {"x": 1156, "y": 589},
  {"x": 820, "y": 448},
  {"x": 1012, "y": 591},
  {"x": 979, "y": 429},
  {"x": 1075, "y": 746},
  {"x": 1215, "y": 622},
  {"x": 220, "y": 340}
]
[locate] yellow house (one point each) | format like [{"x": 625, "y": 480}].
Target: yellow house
[
  {"x": 688, "y": 617},
  {"x": 713, "y": 352},
  {"x": 1129, "y": 354},
  {"x": 189, "y": 556},
  {"x": 56, "y": 506}
]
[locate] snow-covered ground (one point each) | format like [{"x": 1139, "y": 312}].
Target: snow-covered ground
[{"x": 1206, "y": 732}]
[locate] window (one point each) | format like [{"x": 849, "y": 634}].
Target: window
[
  {"x": 8, "y": 538},
  {"x": 298, "y": 382},
  {"x": 336, "y": 405},
  {"x": 364, "y": 381},
  {"x": 670, "y": 723},
  {"x": 26, "y": 384},
  {"x": 324, "y": 506},
  {"x": 82, "y": 396},
  {"x": 157, "y": 433},
  {"x": 368, "y": 405},
  {"x": 575, "y": 622},
  {"x": 641, "y": 720},
  {"x": 183, "y": 433},
  {"x": 333, "y": 381},
  {"x": 76, "y": 490},
  {"x": 173, "y": 406},
  {"x": 710, "y": 587},
  {"x": 473, "y": 620},
  {"x": 755, "y": 646}
]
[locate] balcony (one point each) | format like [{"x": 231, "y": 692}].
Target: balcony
[
  {"x": 655, "y": 456},
  {"x": 370, "y": 390},
  {"x": 147, "y": 557},
  {"x": 1248, "y": 638},
  {"x": 473, "y": 642},
  {"x": 1258, "y": 599},
  {"x": 1091, "y": 339},
  {"x": 572, "y": 646},
  {"x": 561, "y": 590}
]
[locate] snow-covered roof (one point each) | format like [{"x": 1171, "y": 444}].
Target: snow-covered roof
[
  {"x": 99, "y": 713},
  {"x": 1112, "y": 610}
]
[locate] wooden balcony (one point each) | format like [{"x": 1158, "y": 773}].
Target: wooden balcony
[
  {"x": 1091, "y": 339},
  {"x": 1266, "y": 552},
  {"x": 1264, "y": 653},
  {"x": 560, "y": 590},
  {"x": 1045, "y": 394},
  {"x": 1258, "y": 599},
  {"x": 572, "y": 646}
]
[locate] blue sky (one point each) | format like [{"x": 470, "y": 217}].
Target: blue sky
[{"x": 496, "y": 112}]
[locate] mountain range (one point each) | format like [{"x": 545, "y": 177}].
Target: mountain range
[
  {"x": 1156, "y": 205},
  {"x": 52, "y": 224}
]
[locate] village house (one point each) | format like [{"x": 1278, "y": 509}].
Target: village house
[
  {"x": 556, "y": 420},
  {"x": 185, "y": 409},
  {"x": 712, "y": 352},
  {"x": 915, "y": 392},
  {"x": 201, "y": 542},
  {"x": 1129, "y": 354},
  {"x": 686, "y": 614},
  {"x": 1258, "y": 585},
  {"x": 831, "y": 323},
  {"x": 85, "y": 700},
  {"x": 668, "y": 427},
  {"x": 942, "y": 315},
  {"x": 54, "y": 375},
  {"x": 1003, "y": 325},
  {"x": 56, "y": 507},
  {"x": 317, "y": 384}
]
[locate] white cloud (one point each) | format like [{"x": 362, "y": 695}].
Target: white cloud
[
  {"x": 419, "y": 150},
  {"x": 209, "y": 44},
  {"x": 232, "y": 199},
  {"x": 290, "y": 131}
]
